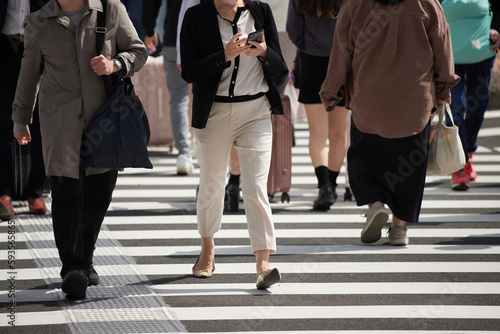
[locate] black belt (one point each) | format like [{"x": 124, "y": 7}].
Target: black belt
[{"x": 241, "y": 98}]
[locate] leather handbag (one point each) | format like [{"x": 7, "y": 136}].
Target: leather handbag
[
  {"x": 446, "y": 154},
  {"x": 118, "y": 135}
]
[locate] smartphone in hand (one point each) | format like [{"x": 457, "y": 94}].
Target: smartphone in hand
[{"x": 256, "y": 36}]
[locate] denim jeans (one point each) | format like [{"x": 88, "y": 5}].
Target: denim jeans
[
  {"x": 470, "y": 99},
  {"x": 179, "y": 100}
]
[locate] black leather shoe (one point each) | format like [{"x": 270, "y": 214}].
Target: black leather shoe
[
  {"x": 93, "y": 276},
  {"x": 233, "y": 197},
  {"x": 325, "y": 198},
  {"x": 75, "y": 285}
]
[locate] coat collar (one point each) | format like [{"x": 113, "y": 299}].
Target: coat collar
[{"x": 52, "y": 8}]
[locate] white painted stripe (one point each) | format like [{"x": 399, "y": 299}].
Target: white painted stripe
[
  {"x": 490, "y": 114},
  {"x": 159, "y": 169},
  {"x": 245, "y": 289},
  {"x": 472, "y": 192},
  {"x": 337, "y": 312},
  {"x": 296, "y": 219},
  {"x": 103, "y": 250},
  {"x": 152, "y": 180},
  {"x": 332, "y": 267},
  {"x": 489, "y": 132},
  {"x": 155, "y": 193},
  {"x": 483, "y": 158},
  {"x": 190, "y": 194},
  {"x": 287, "y": 267},
  {"x": 311, "y": 180},
  {"x": 129, "y": 314},
  {"x": 299, "y": 288},
  {"x": 280, "y": 233},
  {"x": 319, "y": 250},
  {"x": 359, "y": 332},
  {"x": 284, "y": 312},
  {"x": 38, "y": 295},
  {"x": 38, "y": 319},
  {"x": 303, "y": 233},
  {"x": 296, "y": 204}
]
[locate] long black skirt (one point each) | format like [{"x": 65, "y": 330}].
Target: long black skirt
[{"x": 391, "y": 171}]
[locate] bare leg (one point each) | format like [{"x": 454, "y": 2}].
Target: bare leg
[
  {"x": 337, "y": 120},
  {"x": 317, "y": 119},
  {"x": 234, "y": 162},
  {"x": 207, "y": 254},
  {"x": 262, "y": 258}
]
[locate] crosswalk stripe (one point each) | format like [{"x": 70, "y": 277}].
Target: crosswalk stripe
[
  {"x": 23, "y": 254},
  {"x": 306, "y": 205},
  {"x": 245, "y": 289},
  {"x": 452, "y": 261},
  {"x": 337, "y": 218},
  {"x": 336, "y": 312},
  {"x": 308, "y": 233},
  {"x": 289, "y": 268},
  {"x": 280, "y": 233}
]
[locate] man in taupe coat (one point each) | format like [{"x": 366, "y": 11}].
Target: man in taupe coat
[{"x": 60, "y": 63}]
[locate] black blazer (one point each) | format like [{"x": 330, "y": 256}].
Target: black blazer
[
  {"x": 34, "y": 6},
  {"x": 203, "y": 60}
]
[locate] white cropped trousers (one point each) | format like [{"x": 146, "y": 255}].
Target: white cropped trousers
[{"x": 248, "y": 125}]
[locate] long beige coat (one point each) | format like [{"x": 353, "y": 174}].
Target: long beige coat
[{"x": 56, "y": 63}]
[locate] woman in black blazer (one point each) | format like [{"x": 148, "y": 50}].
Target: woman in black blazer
[{"x": 234, "y": 94}]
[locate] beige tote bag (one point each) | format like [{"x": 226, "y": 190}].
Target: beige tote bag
[{"x": 446, "y": 153}]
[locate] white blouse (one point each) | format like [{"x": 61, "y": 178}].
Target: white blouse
[{"x": 245, "y": 76}]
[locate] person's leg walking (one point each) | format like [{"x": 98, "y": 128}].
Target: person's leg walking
[
  {"x": 213, "y": 145},
  {"x": 179, "y": 102},
  {"x": 337, "y": 139},
  {"x": 460, "y": 178},
  {"x": 477, "y": 100},
  {"x": 67, "y": 215},
  {"x": 36, "y": 180},
  {"x": 317, "y": 119},
  {"x": 97, "y": 192},
  {"x": 10, "y": 57},
  {"x": 254, "y": 144}
]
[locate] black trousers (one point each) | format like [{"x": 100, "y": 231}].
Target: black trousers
[
  {"x": 10, "y": 66},
  {"x": 78, "y": 209}
]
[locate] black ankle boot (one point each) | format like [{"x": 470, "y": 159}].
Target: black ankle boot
[
  {"x": 325, "y": 198},
  {"x": 232, "y": 198}
]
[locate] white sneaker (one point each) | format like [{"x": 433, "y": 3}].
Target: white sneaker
[
  {"x": 376, "y": 218},
  {"x": 397, "y": 236},
  {"x": 184, "y": 165}
]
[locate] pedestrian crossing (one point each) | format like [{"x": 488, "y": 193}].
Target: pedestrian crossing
[{"x": 446, "y": 281}]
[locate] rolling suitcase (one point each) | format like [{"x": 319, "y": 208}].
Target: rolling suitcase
[
  {"x": 280, "y": 172},
  {"x": 21, "y": 171},
  {"x": 151, "y": 87}
]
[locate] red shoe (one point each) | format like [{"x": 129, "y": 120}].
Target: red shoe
[
  {"x": 6, "y": 208},
  {"x": 460, "y": 179},
  {"x": 37, "y": 206},
  {"x": 472, "y": 172}
]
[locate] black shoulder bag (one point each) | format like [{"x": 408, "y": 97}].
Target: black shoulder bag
[{"x": 118, "y": 135}]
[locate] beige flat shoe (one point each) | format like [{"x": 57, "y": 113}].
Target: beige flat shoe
[
  {"x": 267, "y": 278},
  {"x": 203, "y": 273}
]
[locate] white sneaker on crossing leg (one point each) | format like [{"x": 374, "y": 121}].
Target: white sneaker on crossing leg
[{"x": 184, "y": 165}]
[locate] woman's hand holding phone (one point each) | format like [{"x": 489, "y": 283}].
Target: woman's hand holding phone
[
  {"x": 258, "y": 44},
  {"x": 235, "y": 47}
]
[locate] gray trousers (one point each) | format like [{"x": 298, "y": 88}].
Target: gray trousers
[{"x": 179, "y": 100}]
